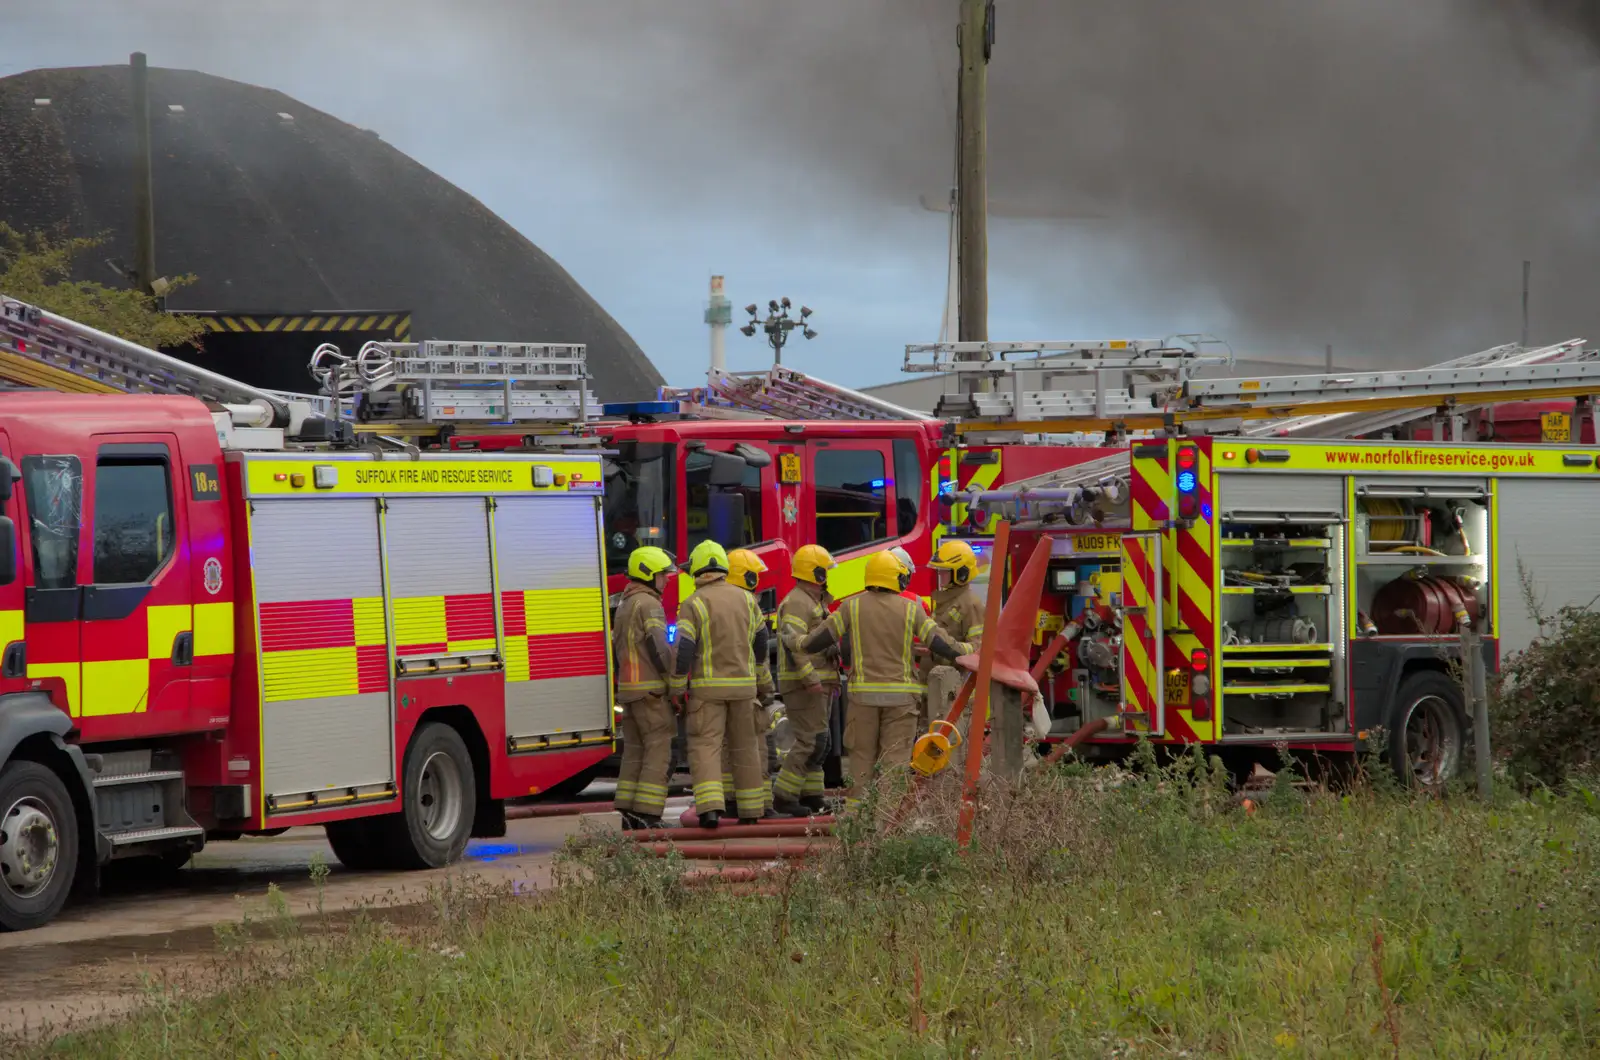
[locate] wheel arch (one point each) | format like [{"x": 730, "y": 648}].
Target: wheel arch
[
  {"x": 34, "y": 729},
  {"x": 489, "y": 819}
]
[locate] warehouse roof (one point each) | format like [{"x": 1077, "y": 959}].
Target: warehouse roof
[{"x": 277, "y": 207}]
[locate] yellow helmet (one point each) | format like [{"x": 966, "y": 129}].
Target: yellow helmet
[
  {"x": 745, "y": 568},
  {"x": 886, "y": 571},
  {"x": 811, "y": 564},
  {"x": 708, "y": 556},
  {"x": 958, "y": 558},
  {"x": 647, "y": 562}
]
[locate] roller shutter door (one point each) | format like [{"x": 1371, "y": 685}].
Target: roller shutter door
[
  {"x": 324, "y": 655},
  {"x": 1547, "y": 524},
  {"x": 553, "y": 604}
]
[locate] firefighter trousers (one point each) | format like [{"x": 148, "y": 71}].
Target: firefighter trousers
[
  {"x": 648, "y": 726},
  {"x": 801, "y": 775},
  {"x": 710, "y": 721},
  {"x": 729, "y": 796},
  {"x": 878, "y": 735}
]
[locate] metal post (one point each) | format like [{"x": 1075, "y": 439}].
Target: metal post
[
  {"x": 1526, "y": 267},
  {"x": 144, "y": 214},
  {"x": 1327, "y": 361},
  {"x": 1007, "y": 702},
  {"x": 972, "y": 188},
  {"x": 1477, "y": 690}
]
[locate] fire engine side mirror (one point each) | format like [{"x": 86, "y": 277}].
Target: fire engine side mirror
[
  {"x": 8, "y": 475},
  {"x": 8, "y": 550},
  {"x": 752, "y": 455},
  {"x": 726, "y": 469}
]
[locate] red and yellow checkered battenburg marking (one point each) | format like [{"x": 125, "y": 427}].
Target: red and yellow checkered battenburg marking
[
  {"x": 316, "y": 648},
  {"x": 554, "y": 633},
  {"x": 440, "y": 625},
  {"x": 115, "y": 670}
]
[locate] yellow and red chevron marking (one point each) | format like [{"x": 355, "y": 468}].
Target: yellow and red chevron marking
[
  {"x": 437, "y": 625},
  {"x": 316, "y": 648},
  {"x": 555, "y": 633},
  {"x": 1181, "y": 723},
  {"x": 1196, "y": 563},
  {"x": 1138, "y": 666},
  {"x": 971, "y": 477}
]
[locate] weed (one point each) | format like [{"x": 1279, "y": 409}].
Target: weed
[{"x": 1104, "y": 914}]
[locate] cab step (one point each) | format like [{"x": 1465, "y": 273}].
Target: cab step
[
  {"x": 150, "y": 776},
  {"x": 141, "y": 836}
]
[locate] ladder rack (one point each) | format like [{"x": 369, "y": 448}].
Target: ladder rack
[
  {"x": 781, "y": 393},
  {"x": 1179, "y": 402},
  {"x": 400, "y": 384},
  {"x": 1099, "y": 486}
]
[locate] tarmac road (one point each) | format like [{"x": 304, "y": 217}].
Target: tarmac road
[{"x": 94, "y": 959}]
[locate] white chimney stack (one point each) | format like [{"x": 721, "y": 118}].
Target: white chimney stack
[{"x": 719, "y": 314}]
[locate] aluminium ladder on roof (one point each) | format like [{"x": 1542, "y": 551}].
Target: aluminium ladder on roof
[
  {"x": 1178, "y": 400},
  {"x": 785, "y": 394},
  {"x": 1123, "y": 377},
  {"x": 45, "y": 349},
  {"x": 441, "y": 382}
]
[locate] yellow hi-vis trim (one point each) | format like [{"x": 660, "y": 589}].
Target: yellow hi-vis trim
[
  {"x": 117, "y": 686},
  {"x": 163, "y": 623},
  {"x": 213, "y": 629},
  {"x": 564, "y": 610},
  {"x": 309, "y": 674},
  {"x": 419, "y": 620}
]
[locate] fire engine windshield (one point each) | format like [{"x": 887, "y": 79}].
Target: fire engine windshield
[{"x": 638, "y": 501}]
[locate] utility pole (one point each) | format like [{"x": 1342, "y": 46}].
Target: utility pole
[
  {"x": 144, "y": 212},
  {"x": 975, "y": 40},
  {"x": 1527, "y": 266}
]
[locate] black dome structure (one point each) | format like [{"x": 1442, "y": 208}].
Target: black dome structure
[{"x": 282, "y": 211}]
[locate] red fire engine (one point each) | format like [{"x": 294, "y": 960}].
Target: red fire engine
[{"x": 215, "y": 625}]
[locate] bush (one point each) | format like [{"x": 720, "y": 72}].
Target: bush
[{"x": 1546, "y": 707}]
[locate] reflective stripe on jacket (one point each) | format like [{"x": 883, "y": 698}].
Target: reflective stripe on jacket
[
  {"x": 721, "y": 634},
  {"x": 639, "y": 644},
  {"x": 878, "y": 629},
  {"x": 801, "y": 612}
]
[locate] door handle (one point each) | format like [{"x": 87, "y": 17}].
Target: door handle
[
  {"x": 14, "y": 663},
  {"x": 183, "y": 649}
]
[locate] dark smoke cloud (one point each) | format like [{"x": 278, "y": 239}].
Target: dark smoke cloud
[
  {"x": 1364, "y": 172},
  {"x": 1369, "y": 173}
]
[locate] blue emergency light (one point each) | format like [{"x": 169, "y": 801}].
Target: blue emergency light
[
  {"x": 672, "y": 633},
  {"x": 1188, "y": 479},
  {"x": 1186, "y": 482}
]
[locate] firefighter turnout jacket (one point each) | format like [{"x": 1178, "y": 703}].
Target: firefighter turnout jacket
[
  {"x": 877, "y": 629},
  {"x": 722, "y": 641},
  {"x": 639, "y": 644},
  {"x": 801, "y": 612},
  {"x": 958, "y": 612}
]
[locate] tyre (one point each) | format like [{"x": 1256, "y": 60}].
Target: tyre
[
  {"x": 361, "y": 844},
  {"x": 38, "y": 845},
  {"x": 1427, "y": 730},
  {"x": 440, "y": 798}
]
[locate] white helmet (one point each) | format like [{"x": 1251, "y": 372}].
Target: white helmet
[{"x": 904, "y": 557}]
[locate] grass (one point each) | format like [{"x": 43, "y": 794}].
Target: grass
[{"x": 1101, "y": 914}]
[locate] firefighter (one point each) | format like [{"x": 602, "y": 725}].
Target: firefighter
[
  {"x": 956, "y": 607},
  {"x": 807, "y": 683},
  {"x": 721, "y": 634},
  {"x": 643, "y": 663},
  {"x": 745, "y": 569},
  {"x": 878, "y": 626}
]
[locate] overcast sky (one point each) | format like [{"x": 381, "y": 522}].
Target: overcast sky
[{"x": 1359, "y": 172}]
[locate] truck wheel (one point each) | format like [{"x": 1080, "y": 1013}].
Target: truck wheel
[
  {"x": 361, "y": 844},
  {"x": 440, "y": 799},
  {"x": 1427, "y": 730},
  {"x": 38, "y": 845}
]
